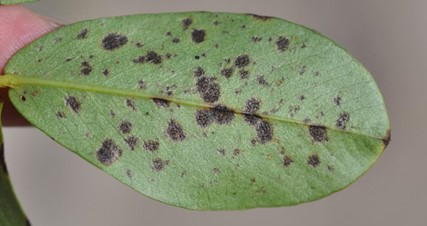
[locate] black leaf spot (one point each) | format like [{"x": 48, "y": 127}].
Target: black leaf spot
[
  {"x": 161, "y": 102},
  {"x": 114, "y": 41},
  {"x": 73, "y": 103},
  {"x": 318, "y": 133},
  {"x": 287, "y": 161},
  {"x": 282, "y": 43},
  {"x": 208, "y": 89},
  {"x": 204, "y": 118},
  {"x": 132, "y": 142},
  {"x": 159, "y": 164},
  {"x": 151, "y": 145},
  {"x": 199, "y": 72},
  {"x": 186, "y": 23},
  {"x": 242, "y": 61},
  {"x": 86, "y": 68},
  {"x": 313, "y": 160},
  {"x": 108, "y": 152},
  {"x": 342, "y": 120},
  {"x": 175, "y": 131},
  {"x": 125, "y": 127},
  {"x": 82, "y": 34},
  {"x": 198, "y": 36},
  {"x": 222, "y": 115},
  {"x": 264, "y": 132},
  {"x": 227, "y": 72}
]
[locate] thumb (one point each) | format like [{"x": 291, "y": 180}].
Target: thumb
[{"x": 18, "y": 27}]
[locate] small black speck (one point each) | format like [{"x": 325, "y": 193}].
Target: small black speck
[
  {"x": 141, "y": 84},
  {"x": 176, "y": 40},
  {"x": 256, "y": 39},
  {"x": 227, "y": 72},
  {"x": 86, "y": 68},
  {"x": 106, "y": 72},
  {"x": 186, "y": 23},
  {"x": 242, "y": 61},
  {"x": 161, "y": 102},
  {"x": 282, "y": 43},
  {"x": 73, "y": 103},
  {"x": 261, "y": 80},
  {"x": 216, "y": 170},
  {"x": 125, "y": 127},
  {"x": 83, "y": 34},
  {"x": 197, "y": 57},
  {"x": 114, "y": 41},
  {"x": 342, "y": 120},
  {"x": 168, "y": 33},
  {"x": 139, "y": 45},
  {"x": 108, "y": 152},
  {"x": 221, "y": 151},
  {"x": 302, "y": 98},
  {"x": 132, "y": 142},
  {"x": 175, "y": 131},
  {"x": 23, "y": 98},
  {"x": 337, "y": 101},
  {"x": 287, "y": 161},
  {"x": 158, "y": 164},
  {"x": 236, "y": 152},
  {"x": 130, "y": 103},
  {"x": 129, "y": 173},
  {"x": 313, "y": 160},
  {"x": 199, "y": 72},
  {"x": 151, "y": 145},
  {"x": 198, "y": 36},
  {"x": 60, "y": 114}
]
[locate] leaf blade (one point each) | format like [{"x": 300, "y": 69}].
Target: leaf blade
[{"x": 204, "y": 104}]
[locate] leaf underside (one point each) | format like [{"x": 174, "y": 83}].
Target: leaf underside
[
  {"x": 11, "y": 213},
  {"x": 205, "y": 110}
]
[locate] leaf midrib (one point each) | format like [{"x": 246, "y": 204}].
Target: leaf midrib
[{"x": 15, "y": 81}]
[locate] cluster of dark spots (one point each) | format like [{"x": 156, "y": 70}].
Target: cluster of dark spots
[
  {"x": 159, "y": 164},
  {"x": 342, "y": 120},
  {"x": 82, "y": 34},
  {"x": 86, "y": 68},
  {"x": 236, "y": 152},
  {"x": 302, "y": 97},
  {"x": 216, "y": 170},
  {"x": 293, "y": 110},
  {"x": 252, "y": 105},
  {"x": 287, "y": 161},
  {"x": 244, "y": 74},
  {"x": 242, "y": 61},
  {"x": 318, "y": 133},
  {"x": 129, "y": 173},
  {"x": 256, "y": 39},
  {"x": 176, "y": 40},
  {"x": 60, "y": 114},
  {"x": 130, "y": 103},
  {"x": 198, "y": 72},
  {"x": 150, "y": 57},
  {"x": 141, "y": 84},
  {"x": 161, "y": 102},
  {"x": 302, "y": 70},
  {"x": 204, "y": 118},
  {"x": 337, "y": 101},
  {"x": 106, "y": 72},
  {"x": 282, "y": 43},
  {"x": 132, "y": 142},
  {"x": 175, "y": 131},
  {"x": 227, "y": 72},
  {"x": 186, "y": 23},
  {"x": 198, "y": 36},
  {"x": 151, "y": 145},
  {"x": 313, "y": 160},
  {"x": 261, "y": 80},
  {"x": 73, "y": 103},
  {"x": 221, "y": 151},
  {"x": 108, "y": 152},
  {"x": 222, "y": 114},
  {"x": 264, "y": 132},
  {"x": 306, "y": 120},
  {"x": 258, "y": 17},
  {"x": 114, "y": 41},
  {"x": 125, "y": 127},
  {"x": 139, "y": 45},
  {"x": 208, "y": 89}
]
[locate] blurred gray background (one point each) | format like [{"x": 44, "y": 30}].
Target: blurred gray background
[{"x": 388, "y": 36}]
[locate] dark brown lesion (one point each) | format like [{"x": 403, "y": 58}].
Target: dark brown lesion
[{"x": 386, "y": 140}]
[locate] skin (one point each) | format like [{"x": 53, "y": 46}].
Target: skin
[{"x": 19, "y": 26}]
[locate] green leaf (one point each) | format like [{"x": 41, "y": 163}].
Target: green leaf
[
  {"x": 11, "y": 213},
  {"x": 12, "y": 2},
  {"x": 205, "y": 110}
]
